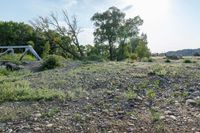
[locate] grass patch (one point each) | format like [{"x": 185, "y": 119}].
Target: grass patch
[
  {"x": 21, "y": 91},
  {"x": 4, "y": 72},
  {"x": 51, "y": 112},
  {"x": 129, "y": 95},
  {"x": 15, "y": 58}
]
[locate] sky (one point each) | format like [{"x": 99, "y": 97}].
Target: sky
[{"x": 169, "y": 24}]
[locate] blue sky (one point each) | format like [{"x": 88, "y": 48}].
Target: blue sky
[{"x": 169, "y": 24}]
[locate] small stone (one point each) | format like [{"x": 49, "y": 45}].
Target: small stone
[
  {"x": 162, "y": 117},
  {"x": 37, "y": 115},
  {"x": 37, "y": 129},
  {"x": 9, "y": 131},
  {"x": 190, "y": 102},
  {"x": 49, "y": 125},
  {"x": 168, "y": 112},
  {"x": 173, "y": 117}
]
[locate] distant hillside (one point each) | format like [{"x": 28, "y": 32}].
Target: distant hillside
[{"x": 184, "y": 52}]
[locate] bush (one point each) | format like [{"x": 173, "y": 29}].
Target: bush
[
  {"x": 4, "y": 72},
  {"x": 145, "y": 59},
  {"x": 187, "y": 61},
  {"x": 167, "y": 61},
  {"x": 95, "y": 57},
  {"x": 133, "y": 57},
  {"x": 51, "y": 62}
]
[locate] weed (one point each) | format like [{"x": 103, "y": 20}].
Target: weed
[
  {"x": 51, "y": 112},
  {"x": 155, "y": 115},
  {"x": 129, "y": 95}
]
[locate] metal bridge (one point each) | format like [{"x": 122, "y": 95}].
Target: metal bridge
[{"x": 10, "y": 49}]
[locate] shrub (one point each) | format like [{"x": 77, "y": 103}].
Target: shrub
[
  {"x": 95, "y": 57},
  {"x": 145, "y": 59},
  {"x": 133, "y": 57},
  {"x": 4, "y": 72},
  {"x": 187, "y": 61},
  {"x": 51, "y": 62},
  {"x": 167, "y": 61}
]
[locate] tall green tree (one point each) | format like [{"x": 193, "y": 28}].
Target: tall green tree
[
  {"x": 107, "y": 27},
  {"x": 13, "y": 33},
  {"x": 112, "y": 28}
]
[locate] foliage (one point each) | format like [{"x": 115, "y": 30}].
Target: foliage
[
  {"x": 4, "y": 72},
  {"x": 112, "y": 27},
  {"x": 124, "y": 52},
  {"x": 142, "y": 50},
  {"x": 187, "y": 61},
  {"x": 51, "y": 112},
  {"x": 15, "y": 33},
  {"x": 167, "y": 61},
  {"x": 129, "y": 95},
  {"x": 21, "y": 91},
  {"x": 51, "y": 62},
  {"x": 133, "y": 57}
]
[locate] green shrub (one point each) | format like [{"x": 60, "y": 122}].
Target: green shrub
[
  {"x": 167, "y": 61},
  {"x": 145, "y": 59},
  {"x": 95, "y": 57},
  {"x": 51, "y": 62},
  {"x": 133, "y": 57},
  {"x": 187, "y": 61},
  {"x": 4, "y": 72}
]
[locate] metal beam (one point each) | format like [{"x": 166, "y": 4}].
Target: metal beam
[{"x": 27, "y": 48}]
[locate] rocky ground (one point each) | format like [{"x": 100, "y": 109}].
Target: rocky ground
[{"x": 111, "y": 97}]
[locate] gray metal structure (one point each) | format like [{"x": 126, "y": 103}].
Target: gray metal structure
[{"x": 27, "y": 49}]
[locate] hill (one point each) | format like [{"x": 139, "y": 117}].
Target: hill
[{"x": 184, "y": 52}]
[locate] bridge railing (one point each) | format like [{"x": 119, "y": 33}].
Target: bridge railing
[{"x": 27, "y": 49}]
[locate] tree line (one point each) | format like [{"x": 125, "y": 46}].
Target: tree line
[{"x": 115, "y": 37}]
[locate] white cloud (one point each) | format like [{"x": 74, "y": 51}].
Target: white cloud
[{"x": 86, "y": 36}]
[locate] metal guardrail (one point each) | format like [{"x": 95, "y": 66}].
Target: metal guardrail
[{"x": 27, "y": 49}]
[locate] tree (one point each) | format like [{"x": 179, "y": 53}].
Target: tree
[
  {"x": 112, "y": 28},
  {"x": 13, "y": 33},
  {"x": 142, "y": 49},
  {"x": 107, "y": 27},
  {"x": 67, "y": 38}
]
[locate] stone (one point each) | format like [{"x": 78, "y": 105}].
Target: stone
[
  {"x": 190, "y": 102},
  {"x": 168, "y": 112},
  {"x": 37, "y": 115},
  {"x": 49, "y": 125},
  {"x": 9, "y": 131},
  {"x": 173, "y": 117},
  {"x": 37, "y": 129}
]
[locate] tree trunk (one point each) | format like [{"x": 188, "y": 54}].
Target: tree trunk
[{"x": 111, "y": 50}]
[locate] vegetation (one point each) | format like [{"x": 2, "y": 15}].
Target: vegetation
[
  {"x": 187, "y": 61},
  {"x": 51, "y": 62}
]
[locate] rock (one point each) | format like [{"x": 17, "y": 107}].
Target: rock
[
  {"x": 37, "y": 129},
  {"x": 168, "y": 112},
  {"x": 49, "y": 125},
  {"x": 173, "y": 117},
  {"x": 162, "y": 117},
  {"x": 9, "y": 131},
  {"x": 37, "y": 115},
  {"x": 190, "y": 102}
]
